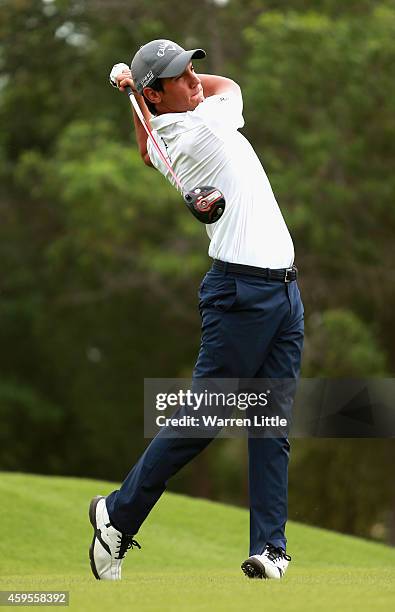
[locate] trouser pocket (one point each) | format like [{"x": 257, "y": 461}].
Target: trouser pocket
[{"x": 219, "y": 293}]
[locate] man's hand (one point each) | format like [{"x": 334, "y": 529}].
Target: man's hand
[{"x": 121, "y": 77}]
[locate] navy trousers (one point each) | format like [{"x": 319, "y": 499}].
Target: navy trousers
[{"x": 251, "y": 328}]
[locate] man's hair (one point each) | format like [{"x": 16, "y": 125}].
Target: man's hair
[{"x": 157, "y": 86}]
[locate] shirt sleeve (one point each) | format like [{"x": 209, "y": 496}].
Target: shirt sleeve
[
  {"x": 222, "y": 112},
  {"x": 158, "y": 162},
  {"x": 152, "y": 154}
]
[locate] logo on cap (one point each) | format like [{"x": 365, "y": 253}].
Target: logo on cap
[
  {"x": 164, "y": 46},
  {"x": 147, "y": 79}
]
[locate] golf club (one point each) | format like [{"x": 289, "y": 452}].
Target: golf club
[{"x": 206, "y": 203}]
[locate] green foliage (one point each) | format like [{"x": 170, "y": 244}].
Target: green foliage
[
  {"x": 339, "y": 344},
  {"x": 326, "y": 79},
  {"x": 42, "y": 74},
  {"x": 24, "y": 414},
  {"x": 348, "y": 489},
  {"x": 106, "y": 201}
]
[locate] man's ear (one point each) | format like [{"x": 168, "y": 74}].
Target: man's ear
[{"x": 153, "y": 96}]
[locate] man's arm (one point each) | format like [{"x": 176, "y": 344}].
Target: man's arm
[
  {"x": 141, "y": 134},
  {"x": 125, "y": 80},
  {"x": 213, "y": 85}
]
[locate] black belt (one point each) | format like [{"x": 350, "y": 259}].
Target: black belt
[{"x": 285, "y": 275}]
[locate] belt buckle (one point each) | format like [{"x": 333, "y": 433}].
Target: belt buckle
[{"x": 286, "y": 279}]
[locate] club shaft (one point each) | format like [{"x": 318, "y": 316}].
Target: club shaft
[{"x": 150, "y": 135}]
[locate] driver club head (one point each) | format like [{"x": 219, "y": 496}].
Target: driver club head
[{"x": 206, "y": 203}]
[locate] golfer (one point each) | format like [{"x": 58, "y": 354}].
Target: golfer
[{"x": 249, "y": 301}]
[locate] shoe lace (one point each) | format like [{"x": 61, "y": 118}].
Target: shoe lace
[
  {"x": 274, "y": 553},
  {"x": 124, "y": 543}
]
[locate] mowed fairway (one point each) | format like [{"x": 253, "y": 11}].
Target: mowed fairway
[{"x": 190, "y": 557}]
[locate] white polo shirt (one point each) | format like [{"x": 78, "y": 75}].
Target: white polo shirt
[{"x": 205, "y": 147}]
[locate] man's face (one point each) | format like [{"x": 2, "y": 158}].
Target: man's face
[{"x": 180, "y": 94}]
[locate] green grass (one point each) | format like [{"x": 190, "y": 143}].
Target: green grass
[{"x": 190, "y": 557}]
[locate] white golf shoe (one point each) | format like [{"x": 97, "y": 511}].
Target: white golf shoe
[
  {"x": 272, "y": 563},
  {"x": 109, "y": 545}
]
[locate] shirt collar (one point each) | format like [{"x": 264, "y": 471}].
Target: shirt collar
[{"x": 166, "y": 119}]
